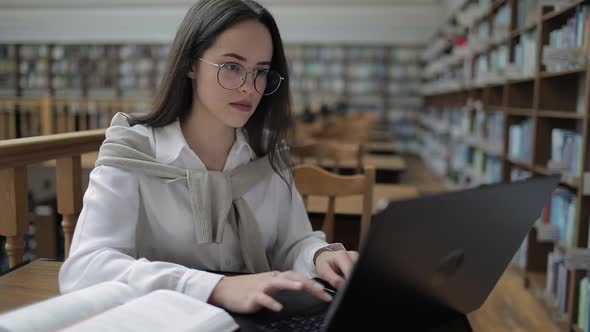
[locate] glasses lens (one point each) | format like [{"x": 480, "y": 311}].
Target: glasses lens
[
  {"x": 231, "y": 75},
  {"x": 267, "y": 82}
]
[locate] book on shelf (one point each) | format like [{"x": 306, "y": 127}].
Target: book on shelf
[
  {"x": 562, "y": 213},
  {"x": 553, "y": 260},
  {"x": 525, "y": 54},
  {"x": 501, "y": 24},
  {"x": 584, "y": 305},
  {"x": 568, "y": 45},
  {"x": 547, "y": 232},
  {"x": 557, "y": 281},
  {"x": 526, "y": 13},
  {"x": 520, "y": 141},
  {"x": 566, "y": 149},
  {"x": 115, "y": 306},
  {"x": 493, "y": 170},
  {"x": 577, "y": 258}
]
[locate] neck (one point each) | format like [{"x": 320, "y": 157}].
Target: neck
[{"x": 208, "y": 137}]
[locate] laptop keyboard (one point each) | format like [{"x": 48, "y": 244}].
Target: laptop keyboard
[{"x": 296, "y": 324}]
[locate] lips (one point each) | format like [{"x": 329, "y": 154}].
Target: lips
[{"x": 243, "y": 106}]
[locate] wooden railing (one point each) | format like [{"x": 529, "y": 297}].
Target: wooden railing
[
  {"x": 44, "y": 122},
  {"x": 48, "y": 115},
  {"x": 15, "y": 156},
  {"x": 30, "y": 110}
]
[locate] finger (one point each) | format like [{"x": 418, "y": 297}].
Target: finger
[
  {"x": 354, "y": 255},
  {"x": 317, "y": 289},
  {"x": 344, "y": 263},
  {"x": 266, "y": 301},
  {"x": 279, "y": 282},
  {"x": 333, "y": 278},
  {"x": 310, "y": 285}
]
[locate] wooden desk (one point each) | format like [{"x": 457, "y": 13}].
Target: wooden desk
[
  {"x": 33, "y": 282},
  {"x": 383, "y": 163},
  {"x": 388, "y": 168},
  {"x": 37, "y": 281},
  {"x": 380, "y": 135},
  {"x": 353, "y": 205},
  {"x": 382, "y": 148}
]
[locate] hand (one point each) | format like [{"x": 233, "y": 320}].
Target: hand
[
  {"x": 332, "y": 266},
  {"x": 249, "y": 293}
]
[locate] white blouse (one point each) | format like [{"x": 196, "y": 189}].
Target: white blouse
[{"x": 139, "y": 230}]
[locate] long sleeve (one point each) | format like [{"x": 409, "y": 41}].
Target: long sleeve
[
  {"x": 296, "y": 241},
  {"x": 104, "y": 243}
]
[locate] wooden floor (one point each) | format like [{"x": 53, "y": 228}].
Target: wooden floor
[{"x": 510, "y": 307}]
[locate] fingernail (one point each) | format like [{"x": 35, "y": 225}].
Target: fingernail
[
  {"x": 277, "y": 307},
  {"x": 318, "y": 286},
  {"x": 297, "y": 284}
]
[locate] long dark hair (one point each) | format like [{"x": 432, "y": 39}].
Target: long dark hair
[{"x": 266, "y": 130}]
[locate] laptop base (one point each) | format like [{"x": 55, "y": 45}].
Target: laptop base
[{"x": 460, "y": 324}]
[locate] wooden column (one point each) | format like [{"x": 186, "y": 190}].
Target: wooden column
[
  {"x": 46, "y": 116},
  {"x": 71, "y": 117},
  {"x": 14, "y": 219},
  {"x": 62, "y": 125},
  {"x": 35, "y": 121},
  {"x": 69, "y": 195},
  {"x": 24, "y": 111},
  {"x": 11, "y": 121},
  {"x": 83, "y": 115},
  {"x": 3, "y": 122}
]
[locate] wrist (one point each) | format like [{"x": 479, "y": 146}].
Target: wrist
[
  {"x": 330, "y": 247},
  {"x": 215, "y": 297}
]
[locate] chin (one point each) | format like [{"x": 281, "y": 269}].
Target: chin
[
  {"x": 236, "y": 123},
  {"x": 237, "y": 120}
]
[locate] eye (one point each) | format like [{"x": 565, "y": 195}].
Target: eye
[
  {"x": 233, "y": 66},
  {"x": 261, "y": 72}
]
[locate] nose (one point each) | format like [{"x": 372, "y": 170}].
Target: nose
[{"x": 248, "y": 85}]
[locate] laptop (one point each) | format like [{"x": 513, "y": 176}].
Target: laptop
[{"x": 429, "y": 261}]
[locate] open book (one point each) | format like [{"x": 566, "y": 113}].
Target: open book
[{"x": 115, "y": 306}]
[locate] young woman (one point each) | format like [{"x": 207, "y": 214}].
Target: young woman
[{"x": 202, "y": 183}]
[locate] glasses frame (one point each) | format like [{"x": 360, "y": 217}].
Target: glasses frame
[{"x": 245, "y": 77}]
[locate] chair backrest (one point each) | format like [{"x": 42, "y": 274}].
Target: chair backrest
[
  {"x": 345, "y": 129},
  {"x": 304, "y": 131},
  {"x": 329, "y": 150},
  {"x": 311, "y": 180}
]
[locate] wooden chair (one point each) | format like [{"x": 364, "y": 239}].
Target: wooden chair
[
  {"x": 311, "y": 180},
  {"x": 330, "y": 150},
  {"x": 304, "y": 131},
  {"x": 351, "y": 129}
]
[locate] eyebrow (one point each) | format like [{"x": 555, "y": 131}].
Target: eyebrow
[{"x": 241, "y": 58}]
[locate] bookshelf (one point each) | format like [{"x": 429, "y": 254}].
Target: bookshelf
[
  {"x": 513, "y": 102},
  {"x": 384, "y": 79},
  {"x": 7, "y": 70},
  {"x": 33, "y": 70},
  {"x": 110, "y": 71}
]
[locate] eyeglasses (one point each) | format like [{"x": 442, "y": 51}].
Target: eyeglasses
[{"x": 231, "y": 76}]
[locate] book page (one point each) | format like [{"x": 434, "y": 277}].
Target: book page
[
  {"x": 66, "y": 309},
  {"x": 161, "y": 310}
]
